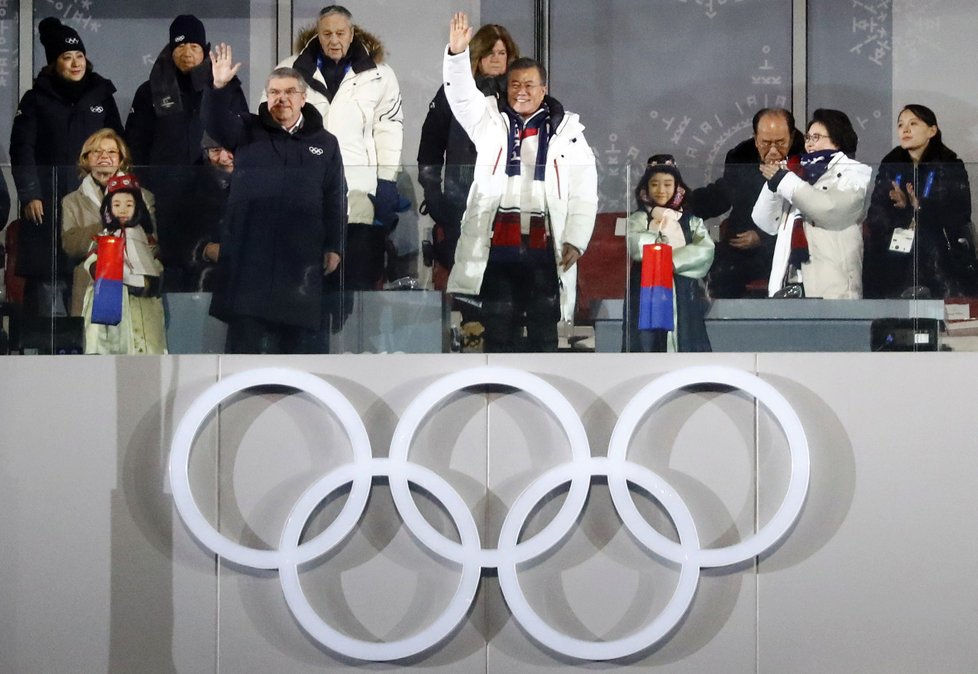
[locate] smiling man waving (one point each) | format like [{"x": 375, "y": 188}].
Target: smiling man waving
[{"x": 531, "y": 208}]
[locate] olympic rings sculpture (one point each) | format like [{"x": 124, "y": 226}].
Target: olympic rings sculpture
[{"x": 468, "y": 552}]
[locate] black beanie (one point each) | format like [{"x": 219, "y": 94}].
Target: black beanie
[
  {"x": 58, "y": 38},
  {"x": 187, "y": 28}
]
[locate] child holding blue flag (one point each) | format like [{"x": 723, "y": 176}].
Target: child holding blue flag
[
  {"x": 671, "y": 253},
  {"x": 123, "y": 310}
]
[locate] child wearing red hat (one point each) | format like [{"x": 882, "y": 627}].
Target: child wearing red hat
[{"x": 128, "y": 262}]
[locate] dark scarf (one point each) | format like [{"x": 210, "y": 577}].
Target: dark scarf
[
  {"x": 333, "y": 72},
  {"x": 69, "y": 90},
  {"x": 814, "y": 164},
  {"x": 538, "y": 125},
  {"x": 168, "y": 85},
  {"x": 507, "y": 225},
  {"x": 809, "y": 167}
]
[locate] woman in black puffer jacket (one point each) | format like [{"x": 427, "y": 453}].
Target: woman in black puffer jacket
[{"x": 68, "y": 103}]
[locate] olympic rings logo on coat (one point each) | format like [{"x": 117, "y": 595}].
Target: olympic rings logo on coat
[
  {"x": 316, "y": 150},
  {"x": 510, "y": 552}
]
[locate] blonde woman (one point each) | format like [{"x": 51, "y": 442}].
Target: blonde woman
[{"x": 103, "y": 155}]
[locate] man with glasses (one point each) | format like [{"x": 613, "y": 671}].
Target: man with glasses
[
  {"x": 360, "y": 102},
  {"x": 744, "y": 252},
  {"x": 285, "y": 214},
  {"x": 532, "y": 204}
]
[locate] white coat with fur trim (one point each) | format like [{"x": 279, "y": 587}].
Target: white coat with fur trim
[
  {"x": 832, "y": 211},
  {"x": 571, "y": 183}
]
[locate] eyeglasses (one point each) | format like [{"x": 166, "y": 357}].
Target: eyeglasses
[
  {"x": 275, "y": 93},
  {"x": 814, "y": 137},
  {"x": 108, "y": 153}
]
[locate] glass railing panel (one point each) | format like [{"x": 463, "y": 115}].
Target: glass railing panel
[{"x": 912, "y": 270}]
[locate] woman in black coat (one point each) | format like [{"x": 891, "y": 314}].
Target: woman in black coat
[
  {"x": 444, "y": 144},
  {"x": 67, "y": 104},
  {"x": 919, "y": 218}
]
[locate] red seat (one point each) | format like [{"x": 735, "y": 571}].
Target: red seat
[{"x": 602, "y": 270}]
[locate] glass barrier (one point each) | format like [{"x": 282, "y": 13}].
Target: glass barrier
[{"x": 236, "y": 259}]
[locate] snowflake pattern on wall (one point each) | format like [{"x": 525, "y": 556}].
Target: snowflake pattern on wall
[
  {"x": 872, "y": 38},
  {"x": 77, "y": 13},
  {"x": 927, "y": 36},
  {"x": 710, "y": 7},
  {"x": 698, "y": 142}
]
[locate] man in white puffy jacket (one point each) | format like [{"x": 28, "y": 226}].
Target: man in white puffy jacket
[
  {"x": 360, "y": 102},
  {"x": 531, "y": 209}
]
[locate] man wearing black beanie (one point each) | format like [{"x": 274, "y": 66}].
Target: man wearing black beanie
[
  {"x": 164, "y": 132},
  {"x": 164, "y": 126}
]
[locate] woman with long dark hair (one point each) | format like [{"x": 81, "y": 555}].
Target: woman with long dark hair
[{"x": 919, "y": 222}]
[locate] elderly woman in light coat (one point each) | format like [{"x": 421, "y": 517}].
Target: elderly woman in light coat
[{"x": 103, "y": 155}]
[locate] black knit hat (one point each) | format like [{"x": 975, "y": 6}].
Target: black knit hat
[
  {"x": 187, "y": 28},
  {"x": 207, "y": 142},
  {"x": 58, "y": 38}
]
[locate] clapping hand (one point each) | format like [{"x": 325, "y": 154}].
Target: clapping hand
[
  {"x": 221, "y": 65},
  {"x": 900, "y": 199},
  {"x": 459, "y": 33}
]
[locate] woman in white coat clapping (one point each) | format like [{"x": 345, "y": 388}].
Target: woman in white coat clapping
[{"x": 815, "y": 204}]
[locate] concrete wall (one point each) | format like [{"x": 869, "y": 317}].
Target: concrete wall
[{"x": 99, "y": 573}]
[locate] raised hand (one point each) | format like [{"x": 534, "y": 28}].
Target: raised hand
[
  {"x": 221, "y": 65},
  {"x": 459, "y": 33}
]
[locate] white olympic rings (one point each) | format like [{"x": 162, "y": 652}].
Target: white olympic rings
[{"x": 510, "y": 552}]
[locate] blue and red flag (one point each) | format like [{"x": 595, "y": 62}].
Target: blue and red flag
[
  {"x": 107, "y": 299},
  {"x": 655, "y": 299}
]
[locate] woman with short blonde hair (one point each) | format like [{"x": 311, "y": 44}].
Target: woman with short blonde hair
[{"x": 104, "y": 154}]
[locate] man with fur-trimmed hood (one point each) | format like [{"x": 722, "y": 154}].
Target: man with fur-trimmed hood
[{"x": 360, "y": 102}]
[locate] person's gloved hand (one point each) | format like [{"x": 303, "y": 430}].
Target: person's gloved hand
[{"x": 385, "y": 203}]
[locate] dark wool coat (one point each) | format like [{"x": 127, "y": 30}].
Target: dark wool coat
[
  {"x": 943, "y": 249},
  {"x": 445, "y": 145},
  {"x": 49, "y": 130},
  {"x": 286, "y": 210},
  {"x": 736, "y": 191},
  {"x": 164, "y": 125}
]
